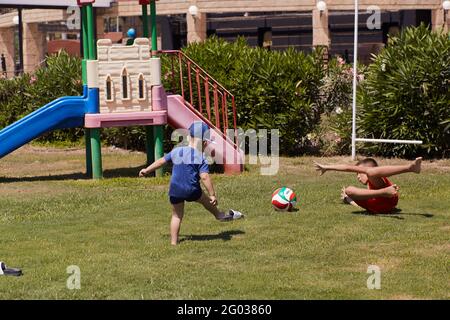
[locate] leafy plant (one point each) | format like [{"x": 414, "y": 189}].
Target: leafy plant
[
  {"x": 19, "y": 96},
  {"x": 15, "y": 99},
  {"x": 333, "y": 135},
  {"x": 407, "y": 96},
  {"x": 274, "y": 90},
  {"x": 404, "y": 94}
]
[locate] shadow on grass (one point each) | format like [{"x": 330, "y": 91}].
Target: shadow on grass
[
  {"x": 110, "y": 173},
  {"x": 293, "y": 210},
  {"x": 224, "y": 236},
  {"x": 396, "y": 214},
  {"x": 59, "y": 177},
  {"x": 132, "y": 172}
]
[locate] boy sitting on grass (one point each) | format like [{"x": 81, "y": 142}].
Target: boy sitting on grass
[
  {"x": 381, "y": 196},
  {"x": 189, "y": 166}
]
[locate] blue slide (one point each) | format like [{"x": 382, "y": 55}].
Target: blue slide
[{"x": 65, "y": 112}]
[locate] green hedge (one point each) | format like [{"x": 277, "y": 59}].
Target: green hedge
[
  {"x": 407, "y": 95},
  {"x": 333, "y": 135},
  {"x": 273, "y": 89},
  {"x": 22, "y": 95},
  {"x": 404, "y": 94}
]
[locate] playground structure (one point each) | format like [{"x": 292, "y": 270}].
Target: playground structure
[{"x": 122, "y": 87}]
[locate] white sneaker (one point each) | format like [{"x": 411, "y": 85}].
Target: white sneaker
[
  {"x": 5, "y": 271},
  {"x": 233, "y": 215}
]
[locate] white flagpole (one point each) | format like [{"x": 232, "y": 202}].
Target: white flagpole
[{"x": 355, "y": 80}]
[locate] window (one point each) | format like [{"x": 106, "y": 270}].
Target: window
[
  {"x": 113, "y": 24},
  {"x": 109, "y": 89},
  {"x": 125, "y": 85},
  {"x": 142, "y": 87}
]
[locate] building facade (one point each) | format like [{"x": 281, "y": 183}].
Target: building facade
[{"x": 274, "y": 24}]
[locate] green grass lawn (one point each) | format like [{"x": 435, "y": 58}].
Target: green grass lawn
[{"x": 117, "y": 231}]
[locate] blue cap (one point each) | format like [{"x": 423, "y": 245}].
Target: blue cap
[
  {"x": 200, "y": 130},
  {"x": 131, "y": 33}
]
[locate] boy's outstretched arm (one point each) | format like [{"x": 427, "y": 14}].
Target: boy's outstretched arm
[
  {"x": 340, "y": 167},
  {"x": 206, "y": 179},
  {"x": 154, "y": 166}
]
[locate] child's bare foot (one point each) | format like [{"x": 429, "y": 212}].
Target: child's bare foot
[
  {"x": 416, "y": 165},
  {"x": 391, "y": 191},
  {"x": 344, "y": 197}
]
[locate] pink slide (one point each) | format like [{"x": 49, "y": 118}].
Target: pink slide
[{"x": 180, "y": 116}]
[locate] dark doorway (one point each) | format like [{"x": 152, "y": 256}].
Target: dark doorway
[
  {"x": 423, "y": 16},
  {"x": 178, "y": 29}
]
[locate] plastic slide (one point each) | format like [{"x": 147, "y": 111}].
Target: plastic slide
[
  {"x": 180, "y": 116},
  {"x": 65, "y": 112}
]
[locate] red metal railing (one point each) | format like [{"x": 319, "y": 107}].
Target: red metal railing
[{"x": 200, "y": 90}]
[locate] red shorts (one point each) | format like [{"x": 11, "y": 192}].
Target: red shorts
[{"x": 378, "y": 205}]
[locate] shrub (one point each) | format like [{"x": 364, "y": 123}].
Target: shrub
[
  {"x": 19, "y": 96},
  {"x": 406, "y": 95},
  {"x": 333, "y": 135},
  {"x": 15, "y": 99},
  {"x": 60, "y": 77},
  {"x": 273, "y": 89}
]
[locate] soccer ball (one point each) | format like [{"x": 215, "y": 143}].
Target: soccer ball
[{"x": 284, "y": 199}]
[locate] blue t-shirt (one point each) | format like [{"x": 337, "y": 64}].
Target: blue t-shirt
[{"x": 188, "y": 163}]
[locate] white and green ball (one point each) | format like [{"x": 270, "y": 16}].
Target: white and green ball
[{"x": 284, "y": 199}]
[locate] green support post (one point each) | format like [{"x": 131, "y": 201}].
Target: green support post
[
  {"x": 149, "y": 143},
  {"x": 84, "y": 36},
  {"x": 154, "y": 33},
  {"x": 96, "y": 151},
  {"x": 145, "y": 21},
  {"x": 158, "y": 131},
  {"x": 87, "y": 141},
  {"x": 90, "y": 31},
  {"x": 87, "y": 132},
  {"x": 97, "y": 171},
  {"x": 158, "y": 134}
]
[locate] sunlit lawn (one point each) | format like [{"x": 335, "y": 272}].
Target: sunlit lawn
[{"x": 116, "y": 231}]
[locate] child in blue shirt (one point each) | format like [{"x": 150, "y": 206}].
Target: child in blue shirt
[{"x": 189, "y": 167}]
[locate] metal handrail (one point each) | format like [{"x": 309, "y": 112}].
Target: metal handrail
[
  {"x": 196, "y": 65},
  {"x": 206, "y": 105}
]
